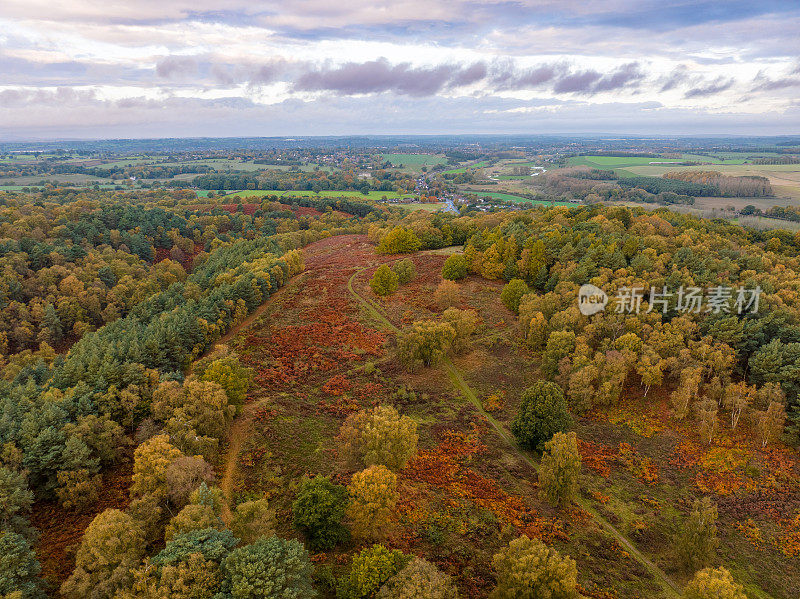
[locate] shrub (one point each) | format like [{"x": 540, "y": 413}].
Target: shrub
[
  {"x": 542, "y": 413},
  {"x": 446, "y": 294},
  {"x": 530, "y": 569},
  {"x": 405, "y": 271},
  {"x": 378, "y": 436},
  {"x": 512, "y": 293},
  {"x": 384, "y": 281},
  {"x": 455, "y": 267},
  {"x": 560, "y": 468},
  {"x": 318, "y": 511},
  {"x": 373, "y": 497}
]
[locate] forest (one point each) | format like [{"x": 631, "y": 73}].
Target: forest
[{"x": 238, "y": 396}]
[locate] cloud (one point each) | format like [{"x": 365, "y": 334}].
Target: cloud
[
  {"x": 176, "y": 67},
  {"x": 718, "y": 85},
  {"x": 378, "y": 76},
  {"x": 508, "y": 77},
  {"x": 593, "y": 82},
  {"x": 678, "y": 76}
]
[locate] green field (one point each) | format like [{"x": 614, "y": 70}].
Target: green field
[
  {"x": 414, "y": 160},
  {"x": 512, "y": 198},
  {"x": 611, "y": 162},
  {"x": 420, "y": 206},
  {"x": 257, "y": 193}
]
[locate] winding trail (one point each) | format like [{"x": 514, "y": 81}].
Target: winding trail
[{"x": 668, "y": 586}]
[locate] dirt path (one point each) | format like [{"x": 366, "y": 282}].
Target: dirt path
[
  {"x": 456, "y": 377},
  {"x": 241, "y": 425}
]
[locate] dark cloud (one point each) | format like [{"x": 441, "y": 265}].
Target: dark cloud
[
  {"x": 678, "y": 76},
  {"x": 720, "y": 84},
  {"x": 508, "y": 77},
  {"x": 378, "y": 76},
  {"x": 177, "y": 67},
  {"x": 624, "y": 76},
  {"x": 582, "y": 81},
  {"x": 469, "y": 75},
  {"x": 593, "y": 82}
]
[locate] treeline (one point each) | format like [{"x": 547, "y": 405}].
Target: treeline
[
  {"x": 776, "y": 160},
  {"x": 657, "y": 185},
  {"x": 347, "y": 180},
  {"x": 727, "y": 186}
]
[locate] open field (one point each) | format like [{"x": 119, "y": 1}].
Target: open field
[
  {"x": 423, "y": 206},
  {"x": 513, "y": 198},
  {"x": 785, "y": 178},
  {"x": 414, "y": 160}
]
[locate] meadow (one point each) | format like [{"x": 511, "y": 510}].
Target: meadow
[{"x": 414, "y": 160}]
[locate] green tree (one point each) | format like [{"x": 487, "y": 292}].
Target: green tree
[
  {"x": 464, "y": 323},
  {"x": 318, "y": 512},
  {"x": 512, "y": 294},
  {"x": 529, "y": 569},
  {"x": 370, "y": 569},
  {"x": 107, "y": 557},
  {"x": 420, "y": 579},
  {"x": 405, "y": 271},
  {"x": 378, "y": 436},
  {"x": 15, "y": 502},
  {"x": 212, "y": 544},
  {"x": 697, "y": 542},
  {"x": 202, "y": 511},
  {"x": 384, "y": 281},
  {"x": 560, "y": 469},
  {"x": 19, "y": 568},
  {"x": 713, "y": 583},
  {"x": 270, "y": 567},
  {"x": 542, "y": 413},
  {"x": 373, "y": 497},
  {"x": 424, "y": 343},
  {"x": 560, "y": 344},
  {"x": 455, "y": 267},
  {"x": 232, "y": 376},
  {"x": 399, "y": 241}
]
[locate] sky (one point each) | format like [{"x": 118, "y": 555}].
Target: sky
[{"x": 219, "y": 68}]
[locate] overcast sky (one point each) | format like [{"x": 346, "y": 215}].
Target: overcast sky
[{"x": 159, "y": 68}]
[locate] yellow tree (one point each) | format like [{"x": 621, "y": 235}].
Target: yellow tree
[
  {"x": 373, "y": 498},
  {"x": 560, "y": 469},
  {"x": 380, "y": 436}
]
